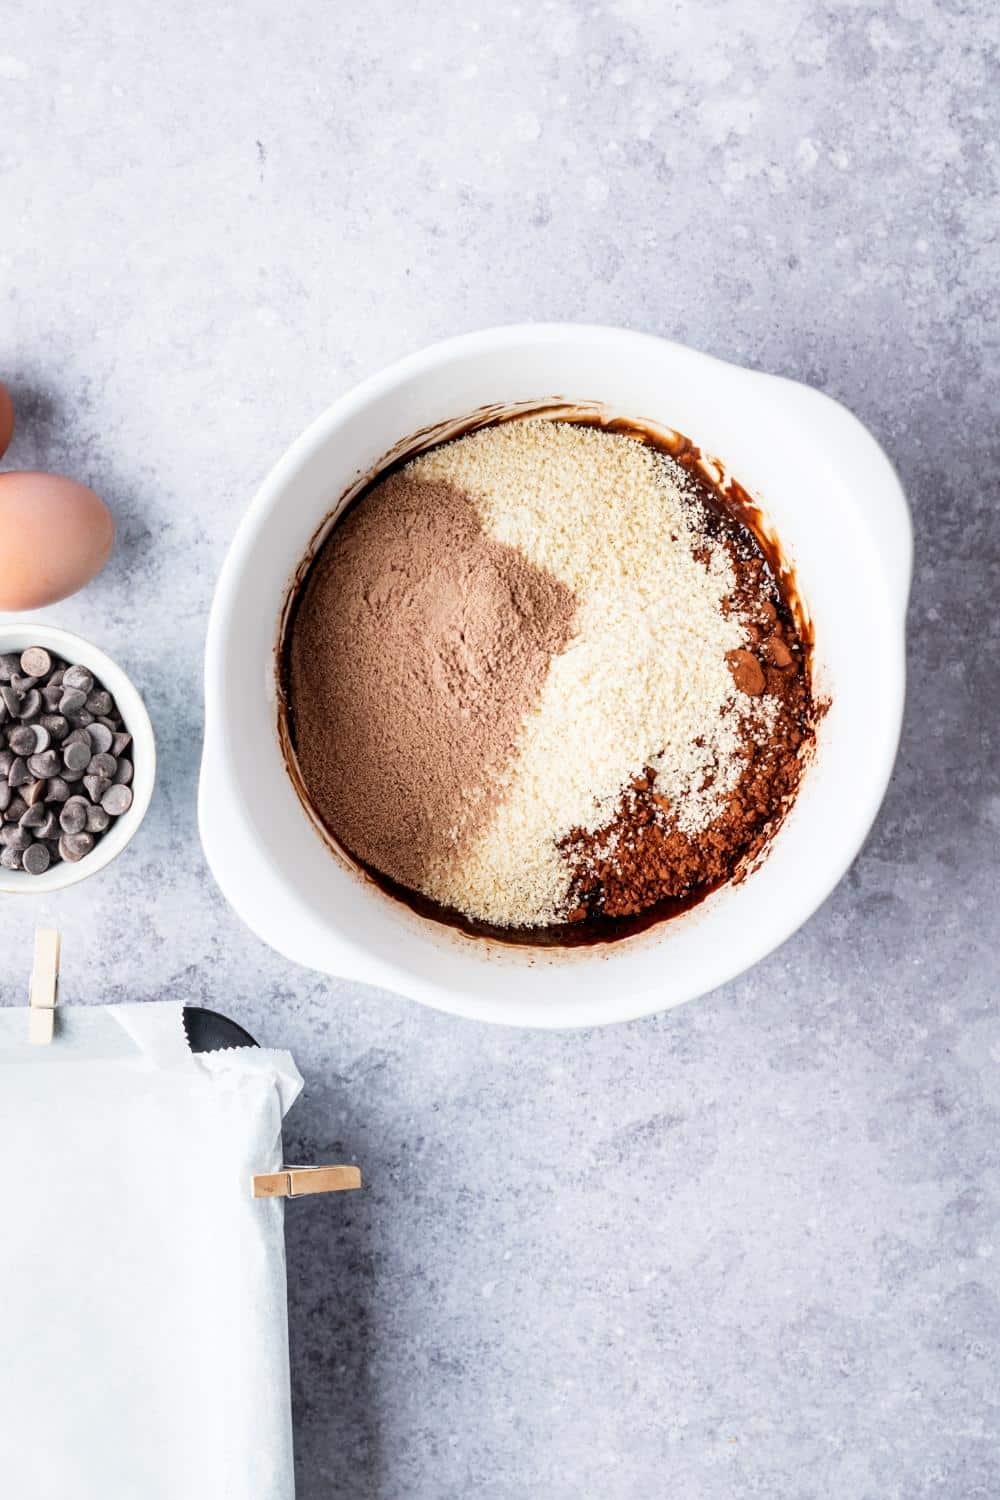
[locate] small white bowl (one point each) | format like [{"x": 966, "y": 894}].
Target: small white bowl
[
  {"x": 827, "y": 491},
  {"x": 74, "y": 648}
]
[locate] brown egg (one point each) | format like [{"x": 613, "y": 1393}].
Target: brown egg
[
  {"x": 55, "y": 535},
  {"x": 6, "y": 419}
]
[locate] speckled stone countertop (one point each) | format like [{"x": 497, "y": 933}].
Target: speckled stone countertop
[{"x": 746, "y": 1248}]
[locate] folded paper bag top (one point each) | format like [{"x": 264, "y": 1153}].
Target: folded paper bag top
[{"x": 145, "y": 1343}]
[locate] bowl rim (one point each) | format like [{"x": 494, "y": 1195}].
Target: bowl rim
[
  {"x": 76, "y": 647},
  {"x": 891, "y": 538}
]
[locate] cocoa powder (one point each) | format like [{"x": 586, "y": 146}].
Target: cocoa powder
[{"x": 417, "y": 647}]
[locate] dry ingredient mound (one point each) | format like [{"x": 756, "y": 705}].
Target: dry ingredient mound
[
  {"x": 418, "y": 645},
  {"x": 506, "y": 638}
]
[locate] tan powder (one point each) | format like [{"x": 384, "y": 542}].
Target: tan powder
[{"x": 418, "y": 647}]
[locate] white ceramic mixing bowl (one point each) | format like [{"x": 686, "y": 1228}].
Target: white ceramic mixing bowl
[{"x": 830, "y": 495}]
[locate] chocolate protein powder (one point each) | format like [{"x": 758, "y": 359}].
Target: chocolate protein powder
[{"x": 418, "y": 646}]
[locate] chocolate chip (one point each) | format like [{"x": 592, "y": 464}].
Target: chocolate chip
[
  {"x": 117, "y": 800},
  {"x": 58, "y": 790},
  {"x": 34, "y": 816},
  {"x": 42, "y": 737},
  {"x": 15, "y": 811},
  {"x": 18, "y": 838},
  {"x": 73, "y": 846},
  {"x": 79, "y": 678},
  {"x": 22, "y": 740},
  {"x": 6, "y": 761},
  {"x": 36, "y": 662},
  {"x": 123, "y": 775},
  {"x": 97, "y": 820},
  {"x": 31, "y": 704},
  {"x": 36, "y": 859},
  {"x": 19, "y": 775},
  {"x": 6, "y": 795},
  {"x": 120, "y": 742},
  {"x": 73, "y": 818},
  {"x": 76, "y": 755},
  {"x": 11, "y": 698},
  {"x": 102, "y": 765},
  {"x": 99, "y": 702},
  {"x": 50, "y": 828},
  {"x": 57, "y": 726},
  {"x": 100, "y": 736},
  {"x": 10, "y": 859},
  {"x": 72, "y": 701},
  {"x": 52, "y": 696},
  {"x": 48, "y": 763},
  {"x": 96, "y": 786},
  {"x": 35, "y": 792}
]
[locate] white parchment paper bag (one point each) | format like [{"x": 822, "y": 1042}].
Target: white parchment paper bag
[{"x": 143, "y": 1331}]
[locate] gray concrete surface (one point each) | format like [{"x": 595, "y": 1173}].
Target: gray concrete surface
[{"x": 749, "y": 1248}]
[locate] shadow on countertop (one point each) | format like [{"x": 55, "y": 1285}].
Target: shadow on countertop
[
  {"x": 328, "y": 1244},
  {"x": 942, "y": 811}
]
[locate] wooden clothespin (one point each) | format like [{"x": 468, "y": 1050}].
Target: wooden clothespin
[
  {"x": 299, "y": 1182},
  {"x": 44, "y": 986}
]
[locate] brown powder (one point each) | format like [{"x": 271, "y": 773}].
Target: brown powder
[{"x": 418, "y": 645}]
